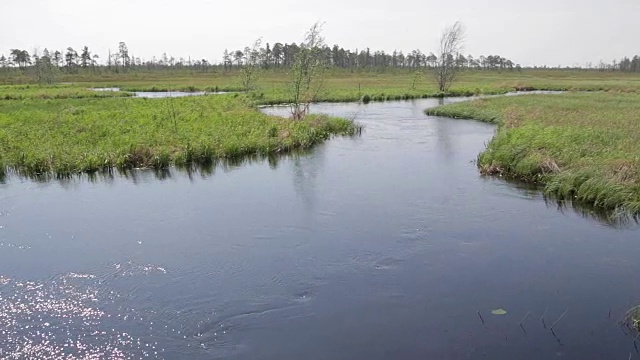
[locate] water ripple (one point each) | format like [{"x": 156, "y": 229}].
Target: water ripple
[{"x": 64, "y": 318}]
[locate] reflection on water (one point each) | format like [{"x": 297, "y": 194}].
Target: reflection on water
[
  {"x": 170, "y": 94},
  {"x": 614, "y": 218},
  {"x": 305, "y": 172},
  {"x": 108, "y": 89},
  {"x": 162, "y": 94},
  {"x": 66, "y": 317},
  {"x": 389, "y": 245},
  {"x": 136, "y": 176}
]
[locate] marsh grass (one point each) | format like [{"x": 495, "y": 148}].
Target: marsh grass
[
  {"x": 342, "y": 85},
  {"x": 37, "y": 92},
  {"x": 63, "y": 137},
  {"x": 631, "y": 322},
  {"x": 583, "y": 147},
  {"x": 339, "y": 85},
  {"x": 65, "y": 129}
]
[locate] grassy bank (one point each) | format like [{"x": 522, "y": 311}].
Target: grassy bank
[
  {"x": 583, "y": 147},
  {"x": 68, "y": 136},
  {"x": 36, "y": 92},
  {"x": 66, "y": 128}
]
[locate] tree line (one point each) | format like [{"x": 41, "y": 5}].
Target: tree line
[
  {"x": 22, "y": 59},
  {"x": 277, "y": 56},
  {"x": 628, "y": 65},
  {"x": 70, "y": 60},
  {"x": 283, "y": 55}
]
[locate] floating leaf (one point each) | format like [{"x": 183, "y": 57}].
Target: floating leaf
[{"x": 499, "y": 312}]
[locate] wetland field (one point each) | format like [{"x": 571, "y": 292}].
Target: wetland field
[{"x": 395, "y": 221}]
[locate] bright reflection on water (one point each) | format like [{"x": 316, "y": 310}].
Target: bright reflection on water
[
  {"x": 162, "y": 94},
  {"x": 383, "y": 246}
]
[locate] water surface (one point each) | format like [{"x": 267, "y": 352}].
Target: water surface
[
  {"x": 161, "y": 94},
  {"x": 383, "y": 246}
]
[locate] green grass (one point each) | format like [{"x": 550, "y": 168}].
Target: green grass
[
  {"x": 353, "y": 85},
  {"x": 583, "y": 147},
  {"x": 26, "y": 92},
  {"x": 66, "y": 128},
  {"x": 69, "y": 136}
]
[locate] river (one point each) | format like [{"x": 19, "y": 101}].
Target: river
[{"x": 383, "y": 246}]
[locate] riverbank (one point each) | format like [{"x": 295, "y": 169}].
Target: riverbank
[
  {"x": 68, "y": 128},
  {"x": 581, "y": 147},
  {"x": 63, "y": 137},
  {"x": 52, "y": 92}
]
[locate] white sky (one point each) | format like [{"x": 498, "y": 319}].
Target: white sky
[{"x": 550, "y": 32}]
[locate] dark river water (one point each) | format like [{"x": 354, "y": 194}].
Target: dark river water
[{"x": 385, "y": 246}]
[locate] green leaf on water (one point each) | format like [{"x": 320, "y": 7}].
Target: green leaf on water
[{"x": 499, "y": 312}]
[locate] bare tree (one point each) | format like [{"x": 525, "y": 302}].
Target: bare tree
[
  {"x": 447, "y": 68},
  {"x": 250, "y": 70},
  {"x": 307, "y": 72},
  {"x": 416, "y": 76}
]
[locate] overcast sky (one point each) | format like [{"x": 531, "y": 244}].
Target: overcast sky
[{"x": 550, "y": 32}]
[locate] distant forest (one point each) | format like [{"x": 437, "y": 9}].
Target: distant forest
[
  {"x": 283, "y": 56},
  {"x": 268, "y": 57}
]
